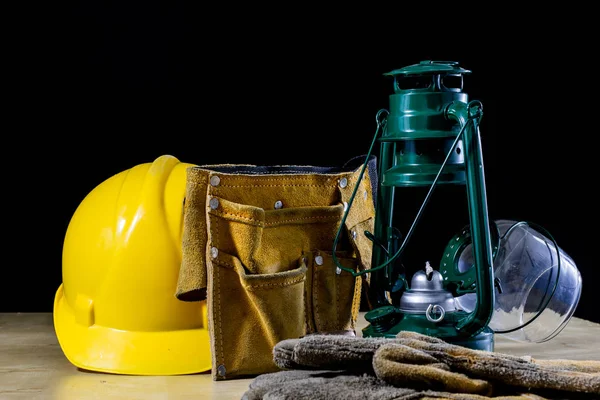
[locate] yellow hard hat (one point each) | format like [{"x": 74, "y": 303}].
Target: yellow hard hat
[{"x": 116, "y": 309}]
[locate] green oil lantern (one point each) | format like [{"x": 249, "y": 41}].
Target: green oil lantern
[{"x": 430, "y": 136}]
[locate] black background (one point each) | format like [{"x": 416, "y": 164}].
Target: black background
[{"x": 98, "y": 88}]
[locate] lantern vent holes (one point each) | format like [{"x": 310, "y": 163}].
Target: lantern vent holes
[
  {"x": 452, "y": 82},
  {"x": 414, "y": 82}
]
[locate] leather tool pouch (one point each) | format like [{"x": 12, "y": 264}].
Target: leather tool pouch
[{"x": 257, "y": 245}]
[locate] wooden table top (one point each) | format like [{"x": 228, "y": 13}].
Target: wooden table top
[{"x": 32, "y": 365}]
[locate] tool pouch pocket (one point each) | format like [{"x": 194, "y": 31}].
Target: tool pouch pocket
[
  {"x": 251, "y": 313},
  {"x": 257, "y": 244},
  {"x": 333, "y": 295},
  {"x": 259, "y": 269}
]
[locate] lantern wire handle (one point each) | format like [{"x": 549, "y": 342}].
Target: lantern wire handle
[{"x": 381, "y": 126}]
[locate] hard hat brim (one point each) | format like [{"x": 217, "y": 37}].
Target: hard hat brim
[{"x": 103, "y": 349}]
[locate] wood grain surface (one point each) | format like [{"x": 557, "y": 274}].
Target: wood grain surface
[{"x": 32, "y": 365}]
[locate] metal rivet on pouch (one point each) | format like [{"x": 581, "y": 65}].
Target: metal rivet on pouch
[
  {"x": 343, "y": 182},
  {"x": 319, "y": 260},
  {"x": 365, "y": 194},
  {"x": 338, "y": 270},
  {"x": 221, "y": 370},
  {"x": 215, "y": 180},
  {"x": 278, "y": 204},
  {"x": 345, "y": 206},
  {"x": 214, "y": 252},
  {"x": 353, "y": 234},
  {"x": 214, "y": 203}
]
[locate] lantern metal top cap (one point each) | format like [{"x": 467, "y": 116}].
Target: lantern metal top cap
[{"x": 430, "y": 67}]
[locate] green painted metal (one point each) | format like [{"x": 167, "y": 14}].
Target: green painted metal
[
  {"x": 379, "y": 326},
  {"x": 430, "y": 67},
  {"x": 431, "y": 137},
  {"x": 460, "y": 277}
]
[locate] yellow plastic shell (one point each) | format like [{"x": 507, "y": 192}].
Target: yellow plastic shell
[{"x": 116, "y": 309}]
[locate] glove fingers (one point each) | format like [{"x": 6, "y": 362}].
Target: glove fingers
[
  {"x": 418, "y": 336},
  {"x": 337, "y": 351},
  {"x": 325, "y": 385},
  {"x": 396, "y": 364},
  {"x": 512, "y": 370},
  {"x": 588, "y": 366},
  {"x": 283, "y": 354},
  {"x": 263, "y": 384}
]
